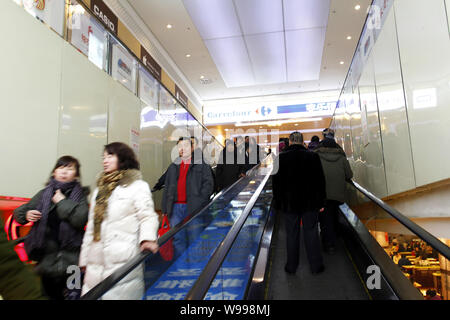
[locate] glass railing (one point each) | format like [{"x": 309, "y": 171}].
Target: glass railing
[
  {"x": 239, "y": 212},
  {"x": 422, "y": 257}
]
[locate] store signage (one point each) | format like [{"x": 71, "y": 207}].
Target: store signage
[
  {"x": 51, "y": 12},
  {"x": 105, "y": 15},
  {"x": 181, "y": 96},
  {"x": 151, "y": 64},
  {"x": 215, "y": 115}
]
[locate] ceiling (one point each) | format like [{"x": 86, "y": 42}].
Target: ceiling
[{"x": 283, "y": 56}]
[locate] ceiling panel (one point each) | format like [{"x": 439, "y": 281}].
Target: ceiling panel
[
  {"x": 260, "y": 16},
  {"x": 214, "y": 18},
  {"x": 304, "y": 14},
  {"x": 304, "y": 53},
  {"x": 231, "y": 57},
  {"x": 267, "y": 55}
]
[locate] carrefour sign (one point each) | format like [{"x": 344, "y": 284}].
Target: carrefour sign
[{"x": 215, "y": 115}]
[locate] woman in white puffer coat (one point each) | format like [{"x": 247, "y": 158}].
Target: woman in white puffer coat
[{"x": 122, "y": 222}]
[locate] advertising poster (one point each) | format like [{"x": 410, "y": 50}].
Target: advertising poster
[
  {"x": 88, "y": 36},
  {"x": 123, "y": 67},
  {"x": 148, "y": 88},
  {"x": 134, "y": 140},
  {"x": 49, "y": 11}
]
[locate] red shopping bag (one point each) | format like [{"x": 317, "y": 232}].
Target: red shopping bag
[{"x": 166, "y": 250}]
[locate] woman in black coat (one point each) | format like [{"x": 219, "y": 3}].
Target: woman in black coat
[
  {"x": 227, "y": 171},
  {"x": 59, "y": 213}
]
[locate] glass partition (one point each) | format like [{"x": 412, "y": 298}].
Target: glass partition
[
  {"x": 427, "y": 270},
  {"x": 234, "y": 276}
]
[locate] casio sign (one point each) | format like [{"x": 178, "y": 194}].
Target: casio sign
[{"x": 104, "y": 18}]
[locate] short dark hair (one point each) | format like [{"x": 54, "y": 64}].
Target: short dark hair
[
  {"x": 66, "y": 161},
  {"x": 126, "y": 155},
  {"x": 315, "y": 139},
  {"x": 185, "y": 138}
]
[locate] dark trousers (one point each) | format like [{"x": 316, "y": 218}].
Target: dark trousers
[
  {"x": 328, "y": 223},
  {"x": 311, "y": 236},
  {"x": 54, "y": 287}
]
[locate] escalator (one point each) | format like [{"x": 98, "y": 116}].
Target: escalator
[{"x": 234, "y": 249}]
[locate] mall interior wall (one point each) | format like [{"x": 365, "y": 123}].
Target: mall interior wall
[
  {"x": 393, "y": 118},
  {"x": 56, "y": 102}
]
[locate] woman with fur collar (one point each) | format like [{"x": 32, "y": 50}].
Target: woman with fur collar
[{"x": 122, "y": 222}]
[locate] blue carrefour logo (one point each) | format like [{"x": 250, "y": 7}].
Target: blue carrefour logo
[{"x": 265, "y": 111}]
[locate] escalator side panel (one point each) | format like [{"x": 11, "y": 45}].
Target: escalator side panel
[{"x": 365, "y": 252}]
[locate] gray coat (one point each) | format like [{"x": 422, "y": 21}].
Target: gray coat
[
  {"x": 337, "y": 171},
  {"x": 199, "y": 187}
]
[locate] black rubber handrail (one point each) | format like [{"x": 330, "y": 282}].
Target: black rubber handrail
[
  {"x": 101, "y": 288},
  {"x": 434, "y": 242},
  {"x": 203, "y": 282}
]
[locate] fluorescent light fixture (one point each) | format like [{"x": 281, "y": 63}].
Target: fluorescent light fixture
[
  {"x": 424, "y": 98},
  {"x": 276, "y": 122},
  {"x": 304, "y": 53},
  {"x": 260, "y": 16},
  {"x": 231, "y": 58},
  {"x": 276, "y": 132},
  {"x": 267, "y": 56},
  {"x": 305, "y": 14},
  {"x": 213, "y": 18}
]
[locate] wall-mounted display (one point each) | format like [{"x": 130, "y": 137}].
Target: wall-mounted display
[
  {"x": 49, "y": 11},
  {"x": 87, "y": 35},
  {"x": 123, "y": 66}
]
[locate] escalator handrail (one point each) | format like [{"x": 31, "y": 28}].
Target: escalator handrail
[
  {"x": 101, "y": 288},
  {"x": 434, "y": 242},
  {"x": 203, "y": 282}
]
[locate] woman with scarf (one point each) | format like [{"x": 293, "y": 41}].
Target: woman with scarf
[
  {"x": 122, "y": 222},
  {"x": 59, "y": 213}
]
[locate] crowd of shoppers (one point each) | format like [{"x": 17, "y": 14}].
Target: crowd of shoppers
[{"x": 121, "y": 220}]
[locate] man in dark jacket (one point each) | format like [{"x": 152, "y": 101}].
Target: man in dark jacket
[
  {"x": 228, "y": 169},
  {"x": 299, "y": 193},
  {"x": 337, "y": 172},
  {"x": 188, "y": 188}
]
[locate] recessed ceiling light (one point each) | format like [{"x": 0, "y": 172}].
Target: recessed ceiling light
[
  {"x": 349, "y": 37},
  {"x": 188, "y": 55},
  {"x": 342, "y": 62},
  {"x": 357, "y": 7},
  {"x": 296, "y": 124},
  {"x": 169, "y": 26},
  {"x": 202, "y": 77}
]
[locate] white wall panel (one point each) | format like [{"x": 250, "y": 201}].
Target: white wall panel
[
  {"x": 425, "y": 51},
  {"x": 30, "y": 91},
  {"x": 124, "y": 114},
  {"x": 84, "y": 106}
]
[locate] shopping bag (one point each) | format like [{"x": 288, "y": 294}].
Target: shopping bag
[{"x": 166, "y": 250}]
